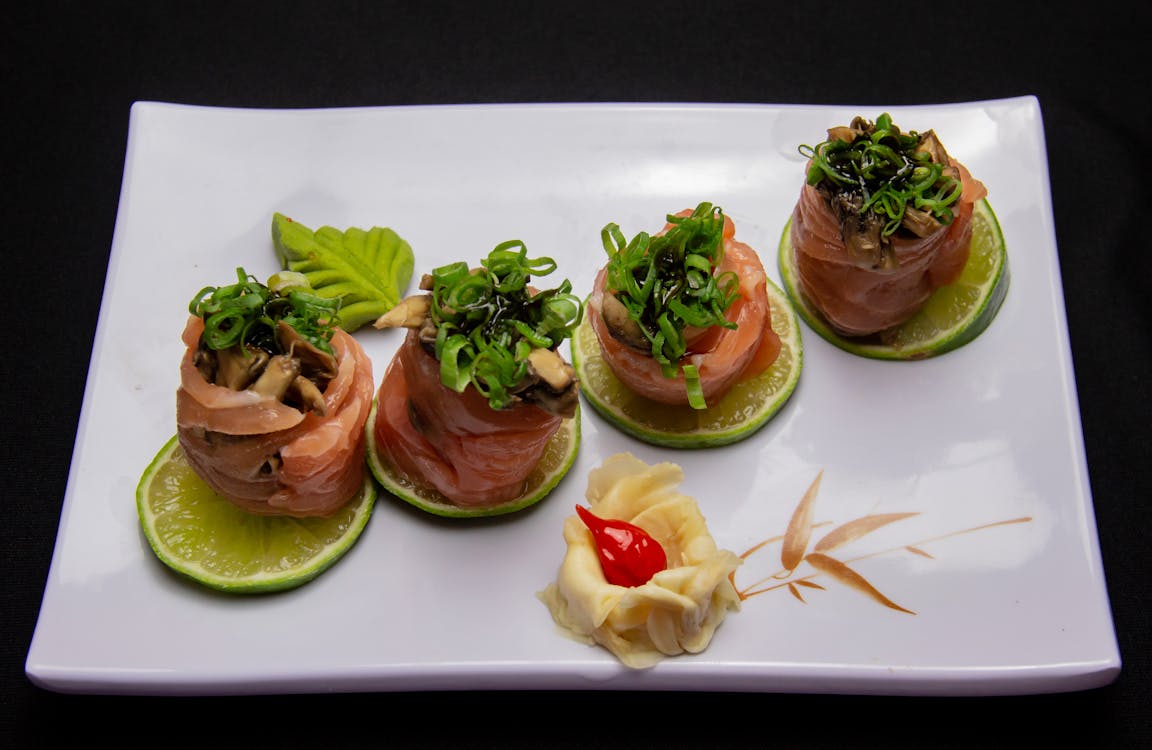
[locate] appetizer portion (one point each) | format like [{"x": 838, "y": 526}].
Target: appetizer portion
[
  {"x": 478, "y": 391},
  {"x": 883, "y": 220},
  {"x": 642, "y": 575},
  {"x": 682, "y": 316},
  {"x": 746, "y": 408},
  {"x": 273, "y": 397}
]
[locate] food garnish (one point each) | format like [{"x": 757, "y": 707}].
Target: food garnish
[
  {"x": 366, "y": 270},
  {"x": 668, "y": 283},
  {"x": 248, "y": 312},
  {"x": 747, "y": 406},
  {"x": 679, "y": 607},
  {"x": 478, "y": 413},
  {"x": 628, "y": 555}
]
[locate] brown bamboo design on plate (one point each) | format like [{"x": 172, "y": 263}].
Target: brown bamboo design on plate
[{"x": 796, "y": 548}]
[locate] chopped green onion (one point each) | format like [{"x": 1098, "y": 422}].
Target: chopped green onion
[
  {"x": 695, "y": 391},
  {"x": 887, "y": 169},
  {"x": 247, "y": 313},
  {"x": 488, "y": 320}
]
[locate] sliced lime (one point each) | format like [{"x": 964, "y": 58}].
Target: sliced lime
[{"x": 203, "y": 536}]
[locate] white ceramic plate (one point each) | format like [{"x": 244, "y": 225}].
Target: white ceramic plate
[{"x": 986, "y": 434}]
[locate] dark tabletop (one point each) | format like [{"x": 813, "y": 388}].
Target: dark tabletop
[{"x": 71, "y": 73}]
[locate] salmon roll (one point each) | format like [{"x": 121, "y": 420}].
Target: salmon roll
[
  {"x": 683, "y": 315},
  {"x": 273, "y": 397},
  {"x": 478, "y": 388},
  {"x": 883, "y": 220}
]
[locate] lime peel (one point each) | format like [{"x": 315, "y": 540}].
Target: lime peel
[
  {"x": 953, "y": 316},
  {"x": 558, "y": 457},
  {"x": 745, "y": 409},
  {"x": 202, "y": 536}
]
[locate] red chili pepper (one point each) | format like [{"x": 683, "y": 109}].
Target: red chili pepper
[{"x": 628, "y": 555}]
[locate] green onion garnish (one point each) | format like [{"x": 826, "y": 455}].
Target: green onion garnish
[
  {"x": 669, "y": 282},
  {"x": 247, "y": 313},
  {"x": 488, "y": 321},
  {"x": 888, "y": 170}
]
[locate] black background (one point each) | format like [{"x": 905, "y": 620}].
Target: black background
[{"x": 72, "y": 70}]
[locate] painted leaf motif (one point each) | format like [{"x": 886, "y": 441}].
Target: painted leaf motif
[
  {"x": 799, "y": 528},
  {"x": 851, "y": 578},
  {"x": 796, "y": 592},
  {"x": 847, "y": 532},
  {"x": 752, "y": 550}
]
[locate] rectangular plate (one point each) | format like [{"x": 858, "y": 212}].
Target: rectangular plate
[{"x": 983, "y": 435}]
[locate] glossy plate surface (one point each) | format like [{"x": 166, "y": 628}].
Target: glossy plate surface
[{"x": 995, "y": 572}]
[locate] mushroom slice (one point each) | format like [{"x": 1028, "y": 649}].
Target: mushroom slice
[
  {"x": 860, "y": 126},
  {"x": 238, "y": 367},
  {"x": 410, "y": 312},
  {"x": 621, "y": 324},
  {"x": 305, "y": 392},
  {"x": 842, "y": 133},
  {"x": 550, "y": 367},
  {"x": 932, "y": 146},
  {"x": 920, "y": 223},
  {"x": 428, "y": 333},
  {"x": 550, "y": 383},
  {"x": 561, "y": 404},
  {"x": 205, "y": 362},
  {"x": 861, "y": 233},
  {"x": 277, "y": 376},
  {"x": 316, "y": 364}
]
